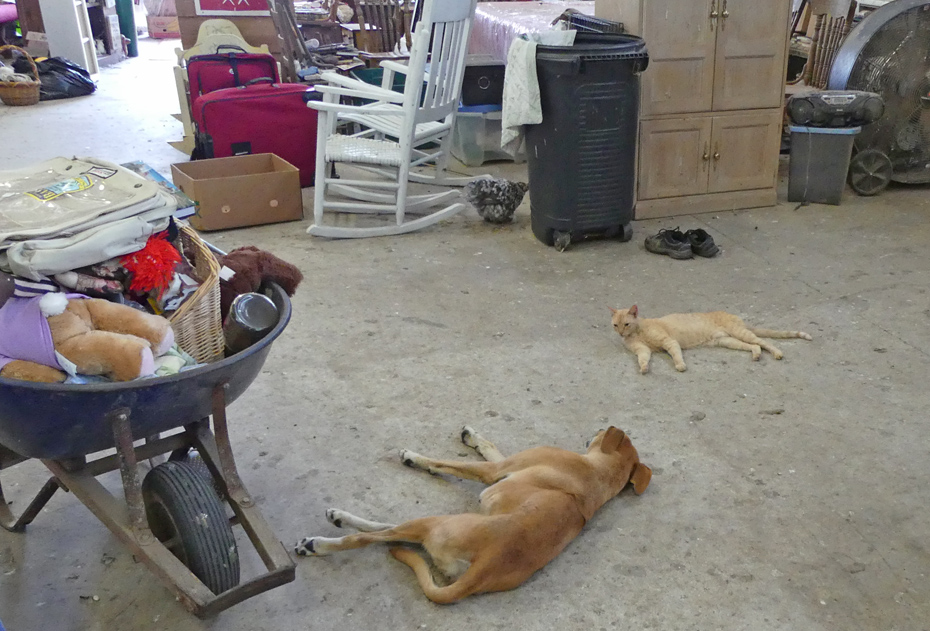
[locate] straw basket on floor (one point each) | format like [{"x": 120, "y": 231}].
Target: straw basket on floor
[
  {"x": 197, "y": 324},
  {"x": 20, "y": 92}
]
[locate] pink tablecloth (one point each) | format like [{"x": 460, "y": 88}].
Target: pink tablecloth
[
  {"x": 497, "y": 23},
  {"x": 7, "y": 12}
]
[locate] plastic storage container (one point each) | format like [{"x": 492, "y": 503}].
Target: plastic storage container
[
  {"x": 582, "y": 157},
  {"x": 819, "y": 162},
  {"x": 476, "y": 137},
  {"x": 483, "y": 81}
]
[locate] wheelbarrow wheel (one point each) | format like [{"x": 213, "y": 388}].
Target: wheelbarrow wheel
[{"x": 186, "y": 515}]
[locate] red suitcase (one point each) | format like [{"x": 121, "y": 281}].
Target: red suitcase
[
  {"x": 263, "y": 118},
  {"x": 208, "y": 73}
]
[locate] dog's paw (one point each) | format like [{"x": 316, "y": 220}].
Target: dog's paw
[
  {"x": 335, "y": 516},
  {"x": 305, "y": 547},
  {"x": 469, "y": 437},
  {"x": 409, "y": 458}
]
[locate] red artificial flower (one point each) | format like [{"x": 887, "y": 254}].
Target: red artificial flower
[{"x": 152, "y": 267}]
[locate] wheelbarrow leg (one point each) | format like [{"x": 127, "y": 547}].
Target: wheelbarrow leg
[
  {"x": 11, "y": 523},
  {"x": 129, "y": 471}
]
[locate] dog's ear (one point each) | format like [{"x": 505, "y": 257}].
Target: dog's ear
[
  {"x": 640, "y": 478},
  {"x": 612, "y": 439}
]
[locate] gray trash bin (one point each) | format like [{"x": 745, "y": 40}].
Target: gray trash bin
[{"x": 819, "y": 163}]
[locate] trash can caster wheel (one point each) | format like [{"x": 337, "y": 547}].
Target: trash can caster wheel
[
  {"x": 870, "y": 172},
  {"x": 186, "y": 515},
  {"x": 561, "y": 240},
  {"x": 626, "y": 232}
]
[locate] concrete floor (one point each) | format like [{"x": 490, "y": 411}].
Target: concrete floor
[{"x": 786, "y": 496}]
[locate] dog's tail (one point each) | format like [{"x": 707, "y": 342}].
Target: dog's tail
[
  {"x": 464, "y": 586},
  {"x": 780, "y": 335}
]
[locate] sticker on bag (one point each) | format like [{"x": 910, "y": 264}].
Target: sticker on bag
[
  {"x": 101, "y": 172},
  {"x": 74, "y": 185}
]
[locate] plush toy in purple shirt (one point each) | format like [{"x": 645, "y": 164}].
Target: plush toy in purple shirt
[{"x": 48, "y": 337}]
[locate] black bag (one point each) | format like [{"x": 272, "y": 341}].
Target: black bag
[{"x": 61, "y": 79}]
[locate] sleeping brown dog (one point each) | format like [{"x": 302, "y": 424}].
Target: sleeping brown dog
[{"x": 537, "y": 502}]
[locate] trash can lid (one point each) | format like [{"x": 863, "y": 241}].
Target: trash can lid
[
  {"x": 597, "y": 46},
  {"x": 838, "y": 131}
]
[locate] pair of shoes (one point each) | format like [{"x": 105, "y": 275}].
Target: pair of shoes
[{"x": 681, "y": 246}]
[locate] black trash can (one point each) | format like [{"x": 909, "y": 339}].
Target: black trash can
[{"x": 582, "y": 157}]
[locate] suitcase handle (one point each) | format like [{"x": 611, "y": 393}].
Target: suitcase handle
[
  {"x": 230, "y": 47},
  {"x": 258, "y": 80}
]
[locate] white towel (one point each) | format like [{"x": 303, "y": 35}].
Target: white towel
[{"x": 521, "y": 86}]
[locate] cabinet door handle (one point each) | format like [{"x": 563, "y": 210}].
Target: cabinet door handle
[
  {"x": 724, "y": 15},
  {"x": 706, "y": 156},
  {"x": 714, "y": 14},
  {"x": 716, "y": 156}
]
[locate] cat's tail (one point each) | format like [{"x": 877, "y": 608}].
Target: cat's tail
[{"x": 780, "y": 335}]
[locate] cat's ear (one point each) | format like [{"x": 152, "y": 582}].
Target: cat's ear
[
  {"x": 640, "y": 477},
  {"x": 612, "y": 310},
  {"x": 634, "y": 311}
]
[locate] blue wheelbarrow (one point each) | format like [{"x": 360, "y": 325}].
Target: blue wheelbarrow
[{"x": 174, "y": 520}]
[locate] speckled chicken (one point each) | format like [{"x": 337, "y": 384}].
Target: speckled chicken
[{"x": 496, "y": 199}]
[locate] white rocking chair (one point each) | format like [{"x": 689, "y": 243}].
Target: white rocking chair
[{"x": 399, "y": 131}]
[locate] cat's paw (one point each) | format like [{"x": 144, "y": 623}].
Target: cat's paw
[
  {"x": 681, "y": 367},
  {"x": 756, "y": 353},
  {"x": 777, "y": 355},
  {"x": 643, "y": 370}
]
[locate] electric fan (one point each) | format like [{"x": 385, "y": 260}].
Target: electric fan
[{"x": 888, "y": 53}]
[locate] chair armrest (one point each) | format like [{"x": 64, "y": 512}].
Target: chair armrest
[
  {"x": 341, "y": 108},
  {"x": 394, "y": 66},
  {"x": 376, "y": 94},
  {"x": 372, "y": 91}
]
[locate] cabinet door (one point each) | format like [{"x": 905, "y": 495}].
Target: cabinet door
[
  {"x": 752, "y": 40},
  {"x": 745, "y": 151},
  {"x": 674, "y": 157},
  {"x": 681, "y": 41}
]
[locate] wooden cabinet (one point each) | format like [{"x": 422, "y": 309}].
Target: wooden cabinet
[
  {"x": 674, "y": 157},
  {"x": 712, "y": 97},
  {"x": 749, "y": 72},
  {"x": 744, "y": 152},
  {"x": 707, "y": 154},
  {"x": 680, "y": 77}
]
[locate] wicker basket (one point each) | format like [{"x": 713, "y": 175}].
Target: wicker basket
[
  {"x": 198, "y": 327},
  {"x": 20, "y": 92}
]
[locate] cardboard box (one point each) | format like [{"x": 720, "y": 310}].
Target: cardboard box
[
  {"x": 163, "y": 27},
  {"x": 240, "y": 191},
  {"x": 36, "y": 44}
]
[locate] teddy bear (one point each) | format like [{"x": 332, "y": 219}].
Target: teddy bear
[
  {"x": 46, "y": 338},
  {"x": 245, "y": 269}
]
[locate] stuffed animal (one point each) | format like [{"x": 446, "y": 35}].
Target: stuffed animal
[
  {"x": 245, "y": 269},
  {"x": 45, "y": 338}
]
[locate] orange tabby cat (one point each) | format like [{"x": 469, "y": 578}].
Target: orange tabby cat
[{"x": 674, "y": 332}]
